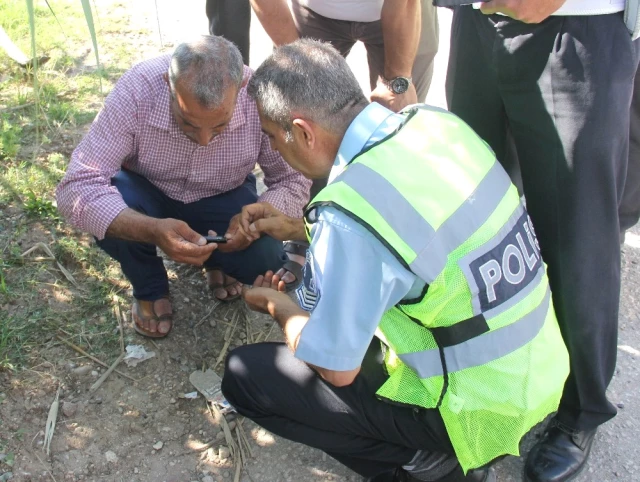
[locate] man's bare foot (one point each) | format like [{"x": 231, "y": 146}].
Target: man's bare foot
[
  {"x": 225, "y": 288},
  {"x": 152, "y": 318},
  {"x": 288, "y": 276},
  {"x": 291, "y": 271}
]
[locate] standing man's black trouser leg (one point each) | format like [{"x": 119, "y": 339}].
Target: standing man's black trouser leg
[
  {"x": 564, "y": 89},
  {"x": 231, "y": 19},
  {"x": 267, "y": 384},
  {"x": 630, "y": 205}
]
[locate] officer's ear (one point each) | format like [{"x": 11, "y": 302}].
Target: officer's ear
[{"x": 304, "y": 133}]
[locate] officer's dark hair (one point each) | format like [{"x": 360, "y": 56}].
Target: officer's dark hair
[{"x": 307, "y": 79}]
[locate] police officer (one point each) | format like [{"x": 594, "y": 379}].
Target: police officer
[{"x": 425, "y": 345}]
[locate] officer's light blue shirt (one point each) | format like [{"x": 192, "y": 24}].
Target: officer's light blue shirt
[{"x": 350, "y": 278}]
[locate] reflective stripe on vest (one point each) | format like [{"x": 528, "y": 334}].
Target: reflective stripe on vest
[
  {"x": 431, "y": 246},
  {"x": 481, "y": 349}
]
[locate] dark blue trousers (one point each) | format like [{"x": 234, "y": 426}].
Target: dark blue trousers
[{"x": 144, "y": 268}]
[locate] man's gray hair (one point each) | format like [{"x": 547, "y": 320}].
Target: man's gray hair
[
  {"x": 206, "y": 67},
  {"x": 310, "y": 79}
]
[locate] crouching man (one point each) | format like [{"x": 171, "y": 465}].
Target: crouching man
[
  {"x": 169, "y": 159},
  {"x": 425, "y": 344}
]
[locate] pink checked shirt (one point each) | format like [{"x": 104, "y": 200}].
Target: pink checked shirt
[{"x": 136, "y": 130}]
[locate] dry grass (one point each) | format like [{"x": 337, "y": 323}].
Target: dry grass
[{"x": 65, "y": 286}]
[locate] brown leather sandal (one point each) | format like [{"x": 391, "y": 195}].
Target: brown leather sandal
[
  {"x": 293, "y": 267},
  {"x": 214, "y": 285},
  {"x": 136, "y": 316}
]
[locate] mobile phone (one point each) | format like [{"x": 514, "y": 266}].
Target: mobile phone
[{"x": 215, "y": 239}]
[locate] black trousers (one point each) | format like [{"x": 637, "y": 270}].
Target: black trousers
[
  {"x": 563, "y": 89},
  {"x": 267, "y": 384},
  {"x": 231, "y": 19},
  {"x": 630, "y": 205}
]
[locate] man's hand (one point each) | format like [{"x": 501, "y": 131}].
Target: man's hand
[
  {"x": 266, "y": 289},
  {"x": 174, "y": 237},
  {"x": 181, "y": 243},
  {"x": 396, "y": 102},
  {"x": 237, "y": 240},
  {"x": 528, "y": 11},
  {"x": 262, "y": 218},
  {"x": 267, "y": 296}
]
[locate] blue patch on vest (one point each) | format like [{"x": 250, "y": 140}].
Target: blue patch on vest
[
  {"x": 505, "y": 270},
  {"x": 307, "y": 293}
]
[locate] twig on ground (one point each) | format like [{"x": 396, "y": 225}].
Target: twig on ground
[
  {"x": 243, "y": 456},
  {"x": 45, "y": 467},
  {"x": 42, "y": 258},
  {"x": 245, "y": 439},
  {"x": 247, "y": 323},
  {"x": 91, "y": 357},
  {"x": 47, "y": 250},
  {"x": 227, "y": 339},
  {"x": 17, "y": 107},
  {"x": 106, "y": 374},
  {"x": 118, "y": 314},
  {"x": 236, "y": 452},
  {"x": 266, "y": 338},
  {"x": 228, "y": 436},
  {"x": 40, "y": 433},
  {"x": 83, "y": 335},
  {"x": 50, "y": 426},
  {"x": 213, "y": 307},
  {"x": 238, "y": 464}
]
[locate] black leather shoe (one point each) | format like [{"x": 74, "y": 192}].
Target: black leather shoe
[
  {"x": 395, "y": 475},
  {"x": 475, "y": 475},
  {"x": 400, "y": 475},
  {"x": 560, "y": 455}
]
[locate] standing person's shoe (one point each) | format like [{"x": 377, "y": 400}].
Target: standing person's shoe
[{"x": 560, "y": 455}]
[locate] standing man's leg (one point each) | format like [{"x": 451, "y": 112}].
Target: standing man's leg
[
  {"x": 267, "y": 384},
  {"x": 472, "y": 85},
  {"x": 567, "y": 114},
  {"x": 629, "y": 210},
  {"x": 231, "y": 19},
  {"x": 313, "y": 25},
  {"x": 563, "y": 99},
  {"x": 422, "y": 72}
]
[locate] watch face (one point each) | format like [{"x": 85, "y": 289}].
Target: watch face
[{"x": 400, "y": 85}]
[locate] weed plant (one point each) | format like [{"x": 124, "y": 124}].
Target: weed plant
[{"x": 37, "y": 302}]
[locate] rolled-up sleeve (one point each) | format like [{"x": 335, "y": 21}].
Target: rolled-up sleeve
[
  {"x": 355, "y": 281},
  {"x": 85, "y": 195},
  {"x": 287, "y": 189}
]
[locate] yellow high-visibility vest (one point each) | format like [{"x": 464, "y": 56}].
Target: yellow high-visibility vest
[{"x": 482, "y": 343}]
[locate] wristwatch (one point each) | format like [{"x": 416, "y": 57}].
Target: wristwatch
[{"x": 397, "y": 85}]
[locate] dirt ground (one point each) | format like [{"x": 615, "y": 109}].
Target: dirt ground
[
  {"x": 139, "y": 428},
  {"x": 110, "y": 435}
]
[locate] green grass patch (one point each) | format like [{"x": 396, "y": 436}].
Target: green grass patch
[
  {"x": 36, "y": 300},
  {"x": 39, "y": 303},
  {"x": 9, "y": 138}
]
